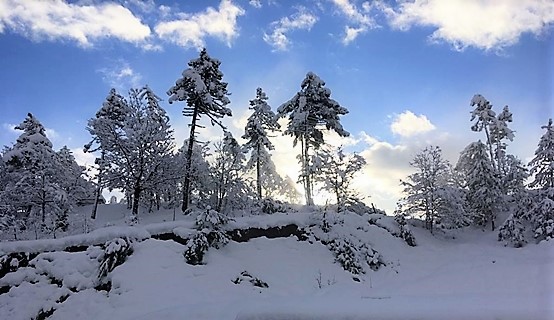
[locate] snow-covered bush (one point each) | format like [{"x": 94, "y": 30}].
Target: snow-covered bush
[
  {"x": 116, "y": 252},
  {"x": 195, "y": 249},
  {"x": 245, "y": 276},
  {"x": 347, "y": 255},
  {"x": 405, "y": 232},
  {"x": 210, "y": 234},
  {"x": 512, "y": 232},
  {"x": 344, "y": 237},
  {"x": 12, "y": 261},
  {"x": 271, "y": 206},
  {"x": 211, "y": 220}
]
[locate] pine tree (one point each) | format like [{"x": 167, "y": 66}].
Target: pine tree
[
  {"x": 309, "y": 112},
  {"x": 105, "y": 129},
  {"x": 485, "y": 118},
  {"x": 259, "y": 123},
  {"x": 499, "y": 132},
  {"x": 542, "y": 167},
  {"x": 483, "y": 196},
  {"x": 74, "y": 184},
  {"x": 205, "y": 94},
  {"x": 33, "y": 177}
]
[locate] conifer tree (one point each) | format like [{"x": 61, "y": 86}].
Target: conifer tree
[
  {"x": 542, "y": 167},
  {"x": 204, "y": 92},
  {"x": 259, "y": 123},
  {"x": 33, "y": 175},
  {"x": 309, "y": 112},
  {"x": 105, "y": 129},
  {"x": 483, "y": 196}
]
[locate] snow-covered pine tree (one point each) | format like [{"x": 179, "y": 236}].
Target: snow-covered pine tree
[
  {"x": 483, "y": 195},
  {"x": 74, "y": 184},
  {"x": 336, "y": 170},
  {"x": 542, "y": 169},
  {"x": 33, "y": 188},
  {"x": 10, "y": 222},
  {"x": 422, "y": 188},
  {"x": 452, "y": 206},
  {"x": 205, "y": 93},
  {"x": 259, "y": 123},
  {"x": 309, "y": 112},
  {"x": 105, "y": 128},
  {"x": 485, "y": 118},
  {"x": 499, "y": 132}
]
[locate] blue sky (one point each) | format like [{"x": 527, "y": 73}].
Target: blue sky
[{"x": 406, "y": 70}]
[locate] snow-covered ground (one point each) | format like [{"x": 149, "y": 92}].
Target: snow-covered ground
[{"x": 470, "y": 277}]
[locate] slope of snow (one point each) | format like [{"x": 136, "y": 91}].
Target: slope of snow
[{"x": 470, "y": 277}]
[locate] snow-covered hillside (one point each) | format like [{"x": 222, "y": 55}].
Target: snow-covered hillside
[{"x": 463, "y": 275}]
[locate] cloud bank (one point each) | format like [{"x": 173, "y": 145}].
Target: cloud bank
[
  {"x": 58, "y": 20},
  {"x": 482, "y": 24}
]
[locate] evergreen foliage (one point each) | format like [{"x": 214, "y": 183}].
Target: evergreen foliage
[
  {"x": 483, "y": 195},
  {"x": 309, "y": 112},
  {"x": 261, "y": 122},
  {"x": 204, "y": 92},
  {"x": 116, "y": 252}
]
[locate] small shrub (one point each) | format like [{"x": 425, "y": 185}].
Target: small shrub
[
  {"x": 405, "y": 232},
  {"x": 270, "y": 206},
  {"x": 196, "y": 248},
  {"x": 211, "y": 220},
  {"x": 116, "y": 252},
  {"x": 512, "y": 232}
]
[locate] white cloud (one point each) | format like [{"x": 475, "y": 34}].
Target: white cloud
[
  {"x": 57, "y": 20},
  {"x": 483, "y": 24},
  {"x": 121, "y": 76},
  {"x": 362, "y": 20},
  {"x": 51, "y": 134},
  {"x": 82, "y": 158},
  {"x": 146, "y": 6},
  {"x": 278, "y": 39},
  {"x": 10, "y": 127},
  {"x": 256, "y": 3},
  {"x": 189, "y": 30},
  {"x": 408, "y": 124}
]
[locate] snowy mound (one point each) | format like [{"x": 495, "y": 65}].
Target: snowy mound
[{"x": 291, "y": 277}]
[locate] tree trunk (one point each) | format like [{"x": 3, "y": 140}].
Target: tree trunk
[
  {"x": 258, "y": 175},
  {"x": 136, "y": 199},
  {"x": 489, "y": 143},
  {"x": 307, "y": 174},
  {"x": 186, "y": 181},
  {"x": 43, "y": 202},
  {"x": 97, "y": 194}
]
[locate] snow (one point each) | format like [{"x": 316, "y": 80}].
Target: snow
[
  {"x": 95, "y": 237},
  {"x": 462, "y": 274}
]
